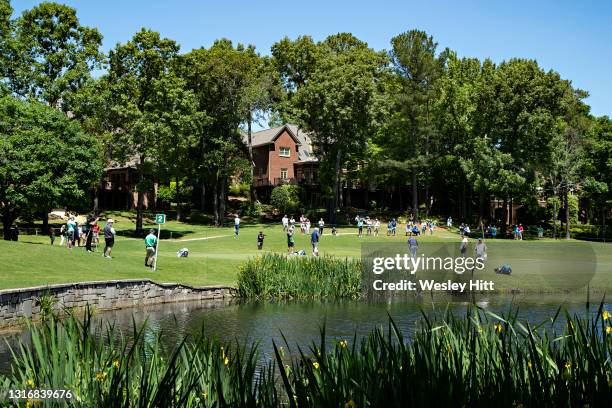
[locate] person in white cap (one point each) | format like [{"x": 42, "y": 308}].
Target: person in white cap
[{"x": 109, "y": 238}]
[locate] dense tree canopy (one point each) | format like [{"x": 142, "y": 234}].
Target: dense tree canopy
[
  {"x": 50, "y": 53},
  {"x": 422, "y": 129},
  {"x": 46, "y": 160}
]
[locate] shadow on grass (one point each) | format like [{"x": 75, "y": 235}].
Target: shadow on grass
[
  {"x": 165, "y": 233},
  {"x": 26, "y": 241}
]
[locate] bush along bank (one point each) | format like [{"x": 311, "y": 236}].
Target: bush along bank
[
  {"x": 274, "y": 276},
  {"x": 478, "y": 360}
]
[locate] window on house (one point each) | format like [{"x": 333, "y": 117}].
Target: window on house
[
  {"x": 284, "y": 174},
  {"x": 284, "y": 151}
]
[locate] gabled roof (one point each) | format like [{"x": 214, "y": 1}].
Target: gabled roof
[
  {"x": 301, "y": 138},
  {"x": 267, "y": 136}
]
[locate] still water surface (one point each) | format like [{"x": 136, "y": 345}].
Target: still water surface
[{"x": 301, "y": 322}]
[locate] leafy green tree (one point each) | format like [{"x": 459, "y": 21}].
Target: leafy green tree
[
  {"x": 51, "y": 54},
  {"x": 5, "y": 37},
  {"x": 286, "y": 198},
  {"x": 261, "y": 92},
  {"x": 596, "y": 186},
  {"x": 566, "y": 163},
  {"x": 418, "y": 69},
  {"x": 46, "y": 160},
  {"x": 456, "y": 110},
  {"x": 151, "y": 113},
  {"x": 488, "y": 170},
  {"x": 222, "y": 78},
  {"x": 332, "y": 96}
]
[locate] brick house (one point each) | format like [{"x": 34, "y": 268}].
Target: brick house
[
  {"x": 282, "y": 155},
  {"x": 118, "y": 189}
]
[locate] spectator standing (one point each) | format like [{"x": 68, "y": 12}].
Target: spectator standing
[
  {"x": 464, "y": 246},
  {"x": 109, "y": 238},
  {"x": 290, "y": 240},
  {"x": 236, "y": 226},
  {"x": 63, "y": 233},
  {"x": 71, "y": 229},
  {"x": 314, "y": 241},
  {"x": 413, "y": 245},
  {"x": 96, "y": 234},
  {"x": 360, "y": 227},
  {"x": 52, "y": 235},
  {"x": 260, "y": 240},
  {"x": 481, "y": 250},
  {"x": 91, "y": 221}
]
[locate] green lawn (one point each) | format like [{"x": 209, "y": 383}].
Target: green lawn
[{"x": 215, "y": 256}]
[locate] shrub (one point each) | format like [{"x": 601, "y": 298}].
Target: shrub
[
  {"x": 282, "y": 277},
  {"x": 286, "y": 198},
  {"x": 240, "y": 190}
]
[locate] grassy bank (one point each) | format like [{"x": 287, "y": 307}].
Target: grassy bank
[
  {"x": 215, "y": 256},
  {"x": 479, "y": 359}
]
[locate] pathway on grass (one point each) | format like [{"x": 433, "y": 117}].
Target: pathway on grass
[{"x": 201, "y": 239}]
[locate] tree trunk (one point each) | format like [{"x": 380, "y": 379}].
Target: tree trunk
[
  {"x": 554, "y": 216},
  {"x": 140, "y": 200},
  {"x": 469, "y": 205},
  {"x": 511, "y": 211},
  {"x": 203, "y": 197},
  {"x": 567, "y": 214},
  {"x": 45, "y": 221},
  {"x": 178, "y": 200},
  {"x": 504, "y": 225},
  {"x": 481, "y": 209},
  {"x": 216, "y": 200},
  {"x": 336, "y": 185},
  {"x": 7, "y": 221},
  {"x": 427, "y": 203},
  {"x": 96, "y": 200},
  {"x": 222, "y": 201},
  {"x": 347, "y": 198},
  {"x": 463, "y": 201},
  {"x": 252, "y": 191},
  {"x": 415, "y": 194}
]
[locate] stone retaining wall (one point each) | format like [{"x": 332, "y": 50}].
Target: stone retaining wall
[{"x": 18, "y": 304}]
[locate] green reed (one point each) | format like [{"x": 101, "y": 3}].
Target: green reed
[
  {"x": 274, "y": 276},
  {"x": 480, "y": 359}
]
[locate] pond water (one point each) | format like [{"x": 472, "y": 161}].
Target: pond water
[{"x": 300, "y": 322}]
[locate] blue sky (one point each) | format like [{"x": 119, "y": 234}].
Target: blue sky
[{"x": 571, "y": 37}]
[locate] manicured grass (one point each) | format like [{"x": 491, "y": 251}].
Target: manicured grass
[{"x": 215, "y": 256}]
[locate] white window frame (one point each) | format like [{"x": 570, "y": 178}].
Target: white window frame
[{"x": 284, "y": 151}]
